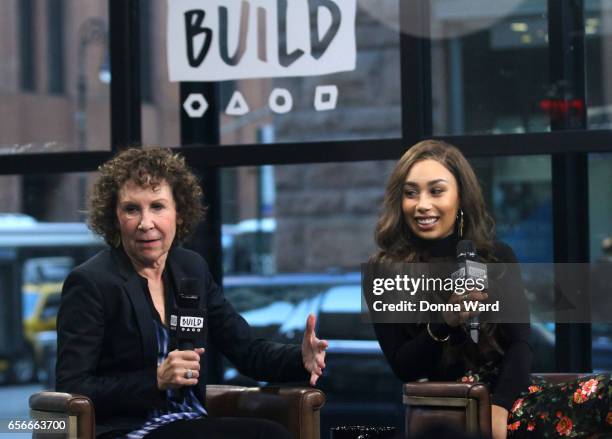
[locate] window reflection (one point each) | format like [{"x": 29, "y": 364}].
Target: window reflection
[
  {"x": 42, "y": 237},
  {"x": 52, "y": 96},
  {"x": 293, "y": 241},
  {"x": 490, "y": 79},
  {"x": 518, "y": 191},
  {"x": 600, "y": 223},
  {"x": 363, "y": 110},
  {"x": 160, "y": 97},
  {"x": 368, "y": 98},
  {"x": 598, "y": 29}
]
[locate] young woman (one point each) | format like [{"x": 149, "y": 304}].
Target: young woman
[{"x": 432, "y": 201}]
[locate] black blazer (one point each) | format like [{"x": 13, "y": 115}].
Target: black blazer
[{"x": 107, "y": 349}]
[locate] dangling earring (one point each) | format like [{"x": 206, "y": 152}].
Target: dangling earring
[
  {"x": 117, "y": 241},
  {"x": 460, "y": 218}
]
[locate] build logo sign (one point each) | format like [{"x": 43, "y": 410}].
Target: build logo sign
[{"x": 220, "y": 40}]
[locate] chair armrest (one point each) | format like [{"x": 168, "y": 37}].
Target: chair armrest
[
  {"x": 77, "y": 409},
  {"x": 556, "y": 378},
  {"x": 448, "y": 389},
  {"x": 297, "y": 408},
  {"x": 466, "y": 404}
]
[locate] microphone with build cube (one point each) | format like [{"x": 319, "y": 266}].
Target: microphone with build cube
[
  {"x": 470, "y": 268},
  {"x": 187, "y": 322},
  {"x": 187, "y": 326}
]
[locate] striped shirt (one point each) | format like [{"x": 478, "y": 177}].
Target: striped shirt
[{"x": 190, "y": 407}]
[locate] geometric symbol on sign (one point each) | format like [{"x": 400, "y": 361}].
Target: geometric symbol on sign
[
  {"x": 237, "y": 105},
  {"x": 195, "y": 105},
  {"x": 280, "y": 101},
  {"x": 326, "y": 97}
]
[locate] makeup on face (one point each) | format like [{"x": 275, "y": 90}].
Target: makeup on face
[{"x": 430, "y": 200}]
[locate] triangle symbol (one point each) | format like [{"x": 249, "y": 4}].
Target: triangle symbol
[{"x": 237, "y": 105}]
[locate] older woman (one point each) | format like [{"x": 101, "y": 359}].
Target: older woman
[{"x": 112, "y": 325}]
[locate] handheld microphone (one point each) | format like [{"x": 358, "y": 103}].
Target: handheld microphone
[
  {"x": 469, "y": 267},
  {"x": 187, "y": 320}
]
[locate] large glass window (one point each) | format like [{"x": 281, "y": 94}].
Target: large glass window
[
  {"x": 42, "y": 237},
  {"x": 293, "y": 241},
  {"x": 490, "y": 70},
  {"x": 519, "y": 193},
  {"x": 54, "y": 79},
  {"x": 598, "y": 34},
  {"x": 360, "y": 104},
  {"x": 160, "y": 97},
  {"x": 600, "y": 226},
  {"x": 367, "y": 104}
]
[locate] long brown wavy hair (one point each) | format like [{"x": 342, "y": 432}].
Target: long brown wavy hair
[
  {"x": 395, "y": 239},
  {"x": 398, "y": 243}
]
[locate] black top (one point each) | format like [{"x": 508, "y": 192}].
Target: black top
[
  {"x": 107, "y": 346},
  {"x": 413, "y": 354}
]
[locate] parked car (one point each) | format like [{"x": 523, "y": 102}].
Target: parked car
[
  {"x": 354, "y": 356},
  {"x": 41, "y": 291}
]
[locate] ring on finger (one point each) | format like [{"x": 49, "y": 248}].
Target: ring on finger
[{"x": 189, "y": 374}]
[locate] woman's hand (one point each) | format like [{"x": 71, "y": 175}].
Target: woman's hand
[
  {"x": 172, "y": 373},
  {"x": 454, "y": 318},
  {"x": 499, "y": 422},
  {"x": 313, "y": 351}
]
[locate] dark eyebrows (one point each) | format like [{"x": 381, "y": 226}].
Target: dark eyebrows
[{"x": 429, "y": 183}]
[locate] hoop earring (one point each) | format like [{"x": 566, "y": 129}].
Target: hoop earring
[{"x": 460, "y": 218}]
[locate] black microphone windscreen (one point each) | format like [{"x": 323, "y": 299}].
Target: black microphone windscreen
[
  {"x": 189, "y": 292},
  {"x": 465, "y": 248}
]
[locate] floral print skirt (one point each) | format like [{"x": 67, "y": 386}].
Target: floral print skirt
[{"x": 578, "y": 408}]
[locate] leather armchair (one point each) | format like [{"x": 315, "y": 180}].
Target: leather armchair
[
  {"x": 297, "y": 408},
  {"x": 464, "y": 406}
]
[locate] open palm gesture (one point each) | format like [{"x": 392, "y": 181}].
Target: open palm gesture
[{"x": 313, "y": 351}]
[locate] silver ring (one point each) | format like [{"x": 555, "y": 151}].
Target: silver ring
[{"x": 189, "y": 374}]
